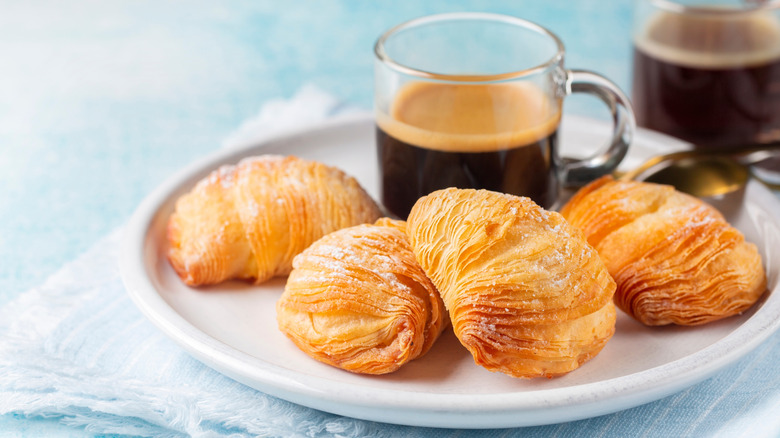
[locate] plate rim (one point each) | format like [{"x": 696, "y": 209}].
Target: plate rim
[{"x": 534, "y": 407}]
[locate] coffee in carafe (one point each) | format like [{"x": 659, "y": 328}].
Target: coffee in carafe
[{"x": 710, "y": 78}]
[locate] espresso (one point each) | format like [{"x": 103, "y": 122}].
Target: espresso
[
  {"x": 709, "y": 80},
  {"x": 499, "y": 137}
]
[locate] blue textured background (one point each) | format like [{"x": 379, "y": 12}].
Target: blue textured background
[{"x": 101, "y": 101}]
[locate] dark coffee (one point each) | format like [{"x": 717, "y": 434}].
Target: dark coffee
[
  {"x": 410, "y": 172},
  {"x": 497, "y": 137},
  {"x": 710, "y": 81}
]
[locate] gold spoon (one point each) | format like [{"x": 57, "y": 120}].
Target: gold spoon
[{"x": 703, "y": 173}]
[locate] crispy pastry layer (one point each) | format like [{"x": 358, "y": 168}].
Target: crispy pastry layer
[
  {"x": 526, "y": 294},
  {"x": 675, "y": 258},
  {"x": 248, "y": 221},
  {"x": 358, "y": 300}
]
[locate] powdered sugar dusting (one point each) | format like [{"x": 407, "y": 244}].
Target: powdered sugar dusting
[
  {"x": 226, "y": 176},
  {"x": 254, "y": 209},
  {"x": 262, "y": 159},
  {"x": 339, "y": 255}
]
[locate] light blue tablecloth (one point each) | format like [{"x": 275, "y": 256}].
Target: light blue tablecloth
[{"x": 101, "y": 101}]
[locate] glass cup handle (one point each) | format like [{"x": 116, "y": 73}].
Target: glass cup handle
[{"x": 576, "y": 172}]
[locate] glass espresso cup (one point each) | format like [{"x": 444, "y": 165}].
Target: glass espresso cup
[
  {"x": 474, "y": 100},
  {"x": 708, "y": 71}
]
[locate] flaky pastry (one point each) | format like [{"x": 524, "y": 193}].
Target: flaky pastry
[
  {"x": 526, "y": 294},
  {"x": 248, "y": 221},
  {"x": 674, "y": 257},
  {"x": 358, "y": 300}
]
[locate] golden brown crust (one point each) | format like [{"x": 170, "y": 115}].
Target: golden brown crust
[
  {"x": 249, "y": 220},
  {"x": 675, "y": 258},
  {"x": 358, "y": 300},
  {"x": 526, "y": 294}
]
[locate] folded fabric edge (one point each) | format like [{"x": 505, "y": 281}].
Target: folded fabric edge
[
  {"x": 35, "y": 313},
  {"x": 308, "y": 105}
]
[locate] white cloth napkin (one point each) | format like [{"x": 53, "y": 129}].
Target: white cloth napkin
[{"x": 77, "y": 349}]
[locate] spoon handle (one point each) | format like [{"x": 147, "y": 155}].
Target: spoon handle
[
  {"x": 738, "y": 150},
  {"x": 743, "y": 154},
  {"x": 754, "y": 154}
]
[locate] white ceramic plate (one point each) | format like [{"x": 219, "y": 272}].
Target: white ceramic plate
[{"x": 232, "y": 327}]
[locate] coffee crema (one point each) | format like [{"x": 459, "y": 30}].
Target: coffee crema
[
  {"x": 500, "y": 137},
  {"x": 709, "y": 79}
]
